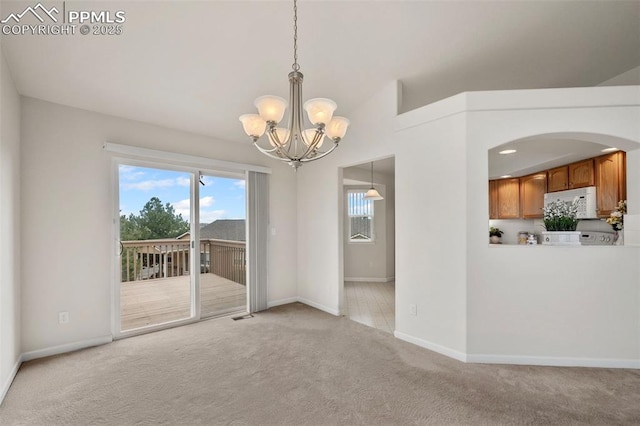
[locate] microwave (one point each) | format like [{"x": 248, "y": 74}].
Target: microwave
[{"x": 584, "y": 197}]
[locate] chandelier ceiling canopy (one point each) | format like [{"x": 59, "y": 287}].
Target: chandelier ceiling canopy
[{"x": 295, "y": 144}]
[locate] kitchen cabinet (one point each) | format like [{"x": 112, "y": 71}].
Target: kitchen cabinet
[
  {"x": 532, "y": 190},
  {"x": 581, "y": 174},
  {"x": 508, "y": 198},
  {"x": 572, "y": 176},
  {"x": 493, "y": 199},
  {"x": 524, "y": 197},
  {"x": 558, "y": 179},
  {"x": 610, "y": 181}
]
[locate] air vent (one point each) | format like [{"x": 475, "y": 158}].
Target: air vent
[{"x": 241, "y": 317}]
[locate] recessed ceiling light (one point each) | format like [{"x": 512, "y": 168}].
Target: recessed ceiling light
[
  {"x": 505, "y": 176},
  {"x": 610, "y": 149},
  {"x": 507, "y": 151}
]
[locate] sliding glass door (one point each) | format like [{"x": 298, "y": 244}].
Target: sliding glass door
[
  {"x": 182, "y": 246},
  {"x": 156, "y": 273},
  {"x": 223, "y": 258}
]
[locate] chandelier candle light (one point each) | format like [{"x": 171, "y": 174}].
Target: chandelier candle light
[{"x": 294, "y": 144}]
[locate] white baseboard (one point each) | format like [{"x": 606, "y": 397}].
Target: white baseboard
[
  {"x": 520, "y": 360},
  {"x": 286, "y": 301},
  {"x": 67, "y": 347},
  {"x": 326, "y": 309},
  {"x": 369, "y": 280},
  {"x": 554, "y": 361},
  {"x": 332, "y": 311},
  {"x": 451, "y": 353},
  {"x": 12, "y": 375}
]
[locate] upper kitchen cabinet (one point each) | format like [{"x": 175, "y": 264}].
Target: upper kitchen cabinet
[
  {"x": 558, "y": 179},
  {"x": 541, "y": 167},
  {"x": 532, "y": 190},
  {"x": 493, "y": 199},
  {"x": 573, "y": 176},
  {"x": 507, "y": 197},
  {"x": 581, "y": 174},
  {"x": 610, "y": 181}
]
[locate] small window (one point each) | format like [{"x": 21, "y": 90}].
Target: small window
[{"x": 360, "y": 212}]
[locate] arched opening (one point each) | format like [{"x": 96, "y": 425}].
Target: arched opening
[{"x": 522, "y": 171}]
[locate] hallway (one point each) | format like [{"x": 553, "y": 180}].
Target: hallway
[{"x": 371, "y": 303}]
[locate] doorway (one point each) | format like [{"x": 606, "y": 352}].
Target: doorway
[
  {"x": 368, "y": 295},
  {"x": 182, "y": 246}
]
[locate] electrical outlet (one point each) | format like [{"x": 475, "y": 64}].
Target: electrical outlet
[
  {"x": 413, "y": 309},
  {"x": 63, "y": 317}
]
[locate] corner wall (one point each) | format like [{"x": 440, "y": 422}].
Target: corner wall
[
  {"x": 10, "y": 238},
  {"x": 67, "y": 227},
  {"x": 428, "y": 255},
  {"x": 542, "y": 304}
]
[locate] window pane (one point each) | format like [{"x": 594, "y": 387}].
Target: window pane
[
  {"x": 360, "y": 212},
  {"x": 358, "y": 206},
  {"x": 360, "y": 228}
]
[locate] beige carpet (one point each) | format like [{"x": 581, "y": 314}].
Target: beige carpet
[{"x": 295, "y": 365}]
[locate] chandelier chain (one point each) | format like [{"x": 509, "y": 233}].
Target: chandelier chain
[{"x": 295, "y": 65}]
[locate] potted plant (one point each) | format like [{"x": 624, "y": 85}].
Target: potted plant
[
  {"x": 560, "y": 222},
  {"x": 616, "y": 220},
  {"x": 494, "y": 235}
]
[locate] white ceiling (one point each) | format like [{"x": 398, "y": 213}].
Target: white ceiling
[
  {"x": 197, "y": 66},
  {"x": 534, "y": 155}
]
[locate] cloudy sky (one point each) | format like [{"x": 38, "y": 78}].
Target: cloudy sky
[{"x": 220, "y": 198}]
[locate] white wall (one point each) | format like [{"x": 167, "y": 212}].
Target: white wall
[
  {"x": 431, "y": 209},
  {"x": 628, "y": 78},
  {"x": 10, "y": 241},
  {"x": 67, "y": 206}
]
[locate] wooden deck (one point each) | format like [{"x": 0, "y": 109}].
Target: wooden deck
[{"x": 151, "y": 302}]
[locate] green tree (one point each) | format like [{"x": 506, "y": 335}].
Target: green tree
[{"x": 155, "y": 221}]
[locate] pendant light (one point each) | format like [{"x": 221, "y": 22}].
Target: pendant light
[
  {"x": 372, "y": 193},
  {"x": 294, "y": 144}
]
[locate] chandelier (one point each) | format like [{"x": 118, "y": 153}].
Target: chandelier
[{"x": 294, "y": 144}]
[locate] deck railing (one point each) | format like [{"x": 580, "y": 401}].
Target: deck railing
[
  {"x": 165, "y": 258},
  {"x": 227, "y": 259}
]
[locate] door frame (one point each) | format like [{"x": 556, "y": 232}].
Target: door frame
[
  {"x": 342, "y": 232},
  {"x": 194, "y": 261}
]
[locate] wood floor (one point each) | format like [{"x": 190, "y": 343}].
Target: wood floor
[
  {"x": 152, "y": 302},
  {"x": 371, "y": 303}
]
